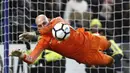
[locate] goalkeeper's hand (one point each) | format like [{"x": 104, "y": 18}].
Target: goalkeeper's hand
[
  {"x": 16, "y": 53},
  {"x": 52, "y": 56},
  {"x": 27, "y": 36}
]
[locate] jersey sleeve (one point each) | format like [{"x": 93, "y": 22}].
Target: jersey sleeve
[{"x": 41, "y": 45}]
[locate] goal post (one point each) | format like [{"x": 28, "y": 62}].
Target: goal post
[{"x": 6, "y": 35}]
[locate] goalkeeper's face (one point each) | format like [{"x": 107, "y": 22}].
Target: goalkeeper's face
[
  {"x": 41, "y": 21},
  {"x": 42, "y": 25}
]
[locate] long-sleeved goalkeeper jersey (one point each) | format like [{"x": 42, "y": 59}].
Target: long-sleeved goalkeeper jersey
[{"x": 81, "y": 46}]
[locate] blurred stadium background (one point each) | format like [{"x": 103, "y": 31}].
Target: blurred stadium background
[{"x": 18, "y": 16}]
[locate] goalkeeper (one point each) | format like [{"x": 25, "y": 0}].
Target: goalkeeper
[
  {"x": 115, "y": 51},
  {"x": 88, "y": 50},
  {"x": 52, "y": 62}
]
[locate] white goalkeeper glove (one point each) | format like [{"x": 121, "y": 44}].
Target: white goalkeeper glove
[
  {"x": 27, "y": 36},
  {"x": 17, "y": 53}
]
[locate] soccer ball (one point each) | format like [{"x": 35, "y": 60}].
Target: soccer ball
[{"x": 61, "y": 31}]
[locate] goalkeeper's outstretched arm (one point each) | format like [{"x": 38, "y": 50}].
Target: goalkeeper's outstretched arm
[
  {"x": 33, "y": 55},
  {"x": 36, "y": 52}
]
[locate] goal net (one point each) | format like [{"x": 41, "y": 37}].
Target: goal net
[{"x": 18, "y": 16}]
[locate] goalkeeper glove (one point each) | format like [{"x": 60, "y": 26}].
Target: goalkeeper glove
[
  {"x": 27, "y": 36},
  {"x": 52, "y": 56},
  {"x": 17, "y": 53}
]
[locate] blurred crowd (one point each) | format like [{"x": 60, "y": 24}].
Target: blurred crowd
[{"x": 113, "y": 14}]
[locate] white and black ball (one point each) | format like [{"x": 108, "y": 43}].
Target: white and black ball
[{"x": 61, "y": 31}]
